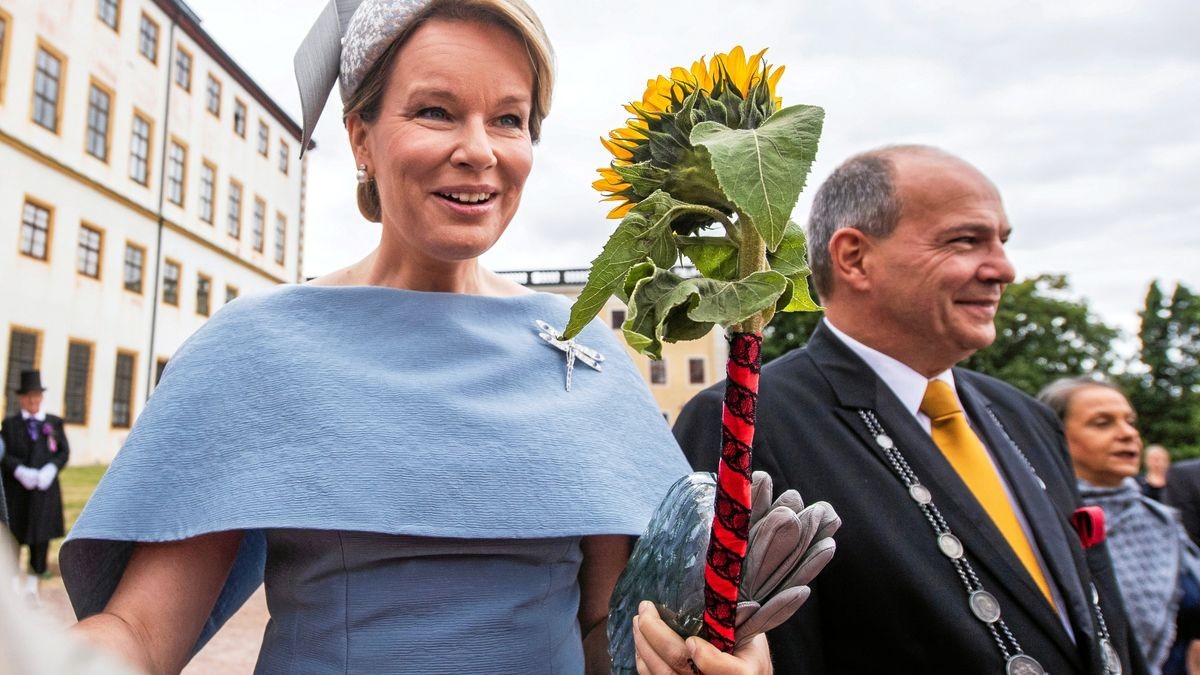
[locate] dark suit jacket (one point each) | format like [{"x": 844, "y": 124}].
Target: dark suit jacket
[
  {"x": 1183, "y": 492},
  {"x": 890, "y": 601},
  {"x": 34, "y": 516}
]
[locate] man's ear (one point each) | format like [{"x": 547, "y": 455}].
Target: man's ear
[
  {"x": 357, "y": 129},
  {"x": 848, "y": 250}
]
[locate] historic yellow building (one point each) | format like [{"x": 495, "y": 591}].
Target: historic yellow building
[{"x": 145, "y": 180}]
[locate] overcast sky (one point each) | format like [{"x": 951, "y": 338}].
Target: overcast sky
[{"x": 1085, "y": 113}]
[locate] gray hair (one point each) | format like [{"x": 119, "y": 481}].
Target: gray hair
[
  {"x": 1057, "y": 395},
  {"x": 859, "y": 194}
]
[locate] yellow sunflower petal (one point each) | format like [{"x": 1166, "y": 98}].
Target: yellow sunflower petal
[
  {"x": 632, "y": 134},
  {"x": 603, "y": 185},
  {"x": 626, "y": 143},
  {"x": 610, "y": 176},
  {"x": 755, "y": 61},
  {"x": 645, "y": 112},
  {"x": 682, "y": 75},
  {"x": 620, "y": 211},
  {"x": 702, "y": 75},
  {"x": 616, "y": 150},
  {"x": 735, "y": 65},
  {"x": 773, "y": 78}
]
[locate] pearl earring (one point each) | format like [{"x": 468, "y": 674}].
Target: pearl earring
[{"x": 361, "y": 174}]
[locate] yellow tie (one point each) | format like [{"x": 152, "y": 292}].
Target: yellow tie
[{"x": 964, "y": 450}]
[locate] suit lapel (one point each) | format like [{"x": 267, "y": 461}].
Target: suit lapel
[{"x": 852, "y": 382}]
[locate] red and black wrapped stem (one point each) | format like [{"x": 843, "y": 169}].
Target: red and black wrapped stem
[{"x": 731, "y": 517}]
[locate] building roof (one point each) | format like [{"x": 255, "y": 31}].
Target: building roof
[{"x": 187, "y": 19}]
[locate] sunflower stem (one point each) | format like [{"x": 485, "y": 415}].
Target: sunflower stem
[
  {"x": 752, "y": 257},
  {"x": 706, "y": 211}
]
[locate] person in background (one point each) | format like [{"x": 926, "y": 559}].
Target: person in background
[
  {"x": 1154, "y": 481},
  {"x": 1150, "y": 550},
  {"x": 36, "y": 450},
  {"x": 1183, "y": 492}
]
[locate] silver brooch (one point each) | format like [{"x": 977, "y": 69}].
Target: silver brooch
[{"x": 573, "y": 349}]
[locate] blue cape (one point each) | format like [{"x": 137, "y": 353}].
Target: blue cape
[{"x": 380, "y": 410}]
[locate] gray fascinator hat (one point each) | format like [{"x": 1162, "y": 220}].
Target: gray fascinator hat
[{"x": 347, "y": 39}]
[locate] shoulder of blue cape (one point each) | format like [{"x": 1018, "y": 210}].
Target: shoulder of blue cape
[{"x": 371, "y": 409}]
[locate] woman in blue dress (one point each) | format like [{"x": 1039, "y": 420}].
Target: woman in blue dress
[{"x": 424, "y": 477}]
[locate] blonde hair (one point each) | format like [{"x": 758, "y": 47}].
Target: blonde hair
[{"x": 513, "y": 15}]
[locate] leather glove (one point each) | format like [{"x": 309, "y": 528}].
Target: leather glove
[
  {"x": 45, "y": 476},
  {"x": 789, "y": 545},
  {"x": 26, "y": 476}
]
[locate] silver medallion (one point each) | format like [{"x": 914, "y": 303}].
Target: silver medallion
[
  {"x": 1095, "y": 595},
  {"x": 1112, "y": 661},
  {"x": 884, "y": 441},
  {"x": 950, "y": 546},
  {"x": 984, "y": 606},
  {"x": 1023, "y": 664},
  {"x": 574, "y": 350},
  {"x": 919, "y": 493}
]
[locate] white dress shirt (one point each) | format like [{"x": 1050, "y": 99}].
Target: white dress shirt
[{"x": 39, "y": 416}]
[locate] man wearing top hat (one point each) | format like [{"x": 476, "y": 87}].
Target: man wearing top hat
[{"x": 35, "y": 451}]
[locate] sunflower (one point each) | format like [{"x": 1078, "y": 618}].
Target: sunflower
[{"x": 652, "y": 150}]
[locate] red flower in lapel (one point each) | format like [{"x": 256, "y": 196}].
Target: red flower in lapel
[{"x": 1088, "y": 522}]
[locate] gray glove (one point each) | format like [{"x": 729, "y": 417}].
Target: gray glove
[{"x": 789, "y": 545}]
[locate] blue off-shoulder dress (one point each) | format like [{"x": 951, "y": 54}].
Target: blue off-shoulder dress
[{"x": 411, "y": 474}]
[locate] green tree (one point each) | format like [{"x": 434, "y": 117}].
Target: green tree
[
  {"x": 787, "y": 331},
  {"x": 1165, "y": 389},
  {"x": 1042, "y": 334}
]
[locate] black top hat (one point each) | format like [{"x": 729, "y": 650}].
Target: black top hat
[{"x": 31, "y": 380}]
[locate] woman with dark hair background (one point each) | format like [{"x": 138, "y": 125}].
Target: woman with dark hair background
[{"x": 1151, "y": 552}]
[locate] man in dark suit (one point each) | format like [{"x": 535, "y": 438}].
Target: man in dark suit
[
  {"x": 35, "y": 451},
  {"x": 956, "y": 554}
]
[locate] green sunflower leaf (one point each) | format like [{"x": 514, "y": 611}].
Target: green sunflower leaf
[
  {"x": 763, "y": 170},
  {"x": 731, "y": 302},
  {"x": 714, "y": 257},
  {"x": 791, "y": 258},
  {"x": 643, "y": 270},
  {"x": 644, "y": 233},
  {"x": 799, "y": 298},
  {"x": 664, "y": 307},
  {"x": 658, "y": 304}
]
